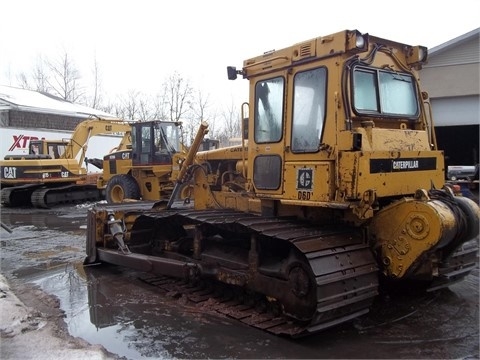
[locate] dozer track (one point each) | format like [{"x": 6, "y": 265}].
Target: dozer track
[
  {"x": 321, "y": 278},
  {"x": 456, "y": 266}
]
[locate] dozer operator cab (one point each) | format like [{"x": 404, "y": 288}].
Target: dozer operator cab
[
  {"x": 155, "y": 142},
  {"x": 330, "y": 135},
  {"x": 209, "y": 144}
]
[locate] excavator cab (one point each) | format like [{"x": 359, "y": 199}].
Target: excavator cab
[
  {"x": 42, "y": 149},
  {"x": 53, "y": 149}
]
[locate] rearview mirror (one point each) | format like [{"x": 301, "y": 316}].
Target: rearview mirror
[{"x": 232, "y": 72}]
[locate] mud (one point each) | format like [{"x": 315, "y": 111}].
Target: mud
[{"x": 111, "y": 307}]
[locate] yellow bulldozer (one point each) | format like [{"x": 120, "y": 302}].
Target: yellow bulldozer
[{"x": 336, "y": 191}]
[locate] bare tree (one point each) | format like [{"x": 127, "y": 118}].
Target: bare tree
[
  {"x": 108, "y": 107},
  {"x": 177, "y": 100},
  {"x": 64, "y": 80},
  {"x": 200, "y": 112},
  {"x": 159, "y": 107},
  {"x": 118, "y": 109},
  {"x": 38, "y": 80},
  {"x": 173, "y": 102},
  {"x": 8, "y": 74},
  {"x": 231, "y": 125},
  {"x": 178, "y": 96},
  {"x": 41, "y": 76},
  {"x": 129, "y": 108},
  {"x": 96, "y": 97},
  {"x": 144, "y": 106},
  {"x": 23, "y": 81}
]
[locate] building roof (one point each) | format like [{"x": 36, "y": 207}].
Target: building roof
[
  {"x": 34, "y": 101},
  {"x": 454, "y": 42}
]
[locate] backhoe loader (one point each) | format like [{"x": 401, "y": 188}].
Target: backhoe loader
[{"x": 147, "y": 168}]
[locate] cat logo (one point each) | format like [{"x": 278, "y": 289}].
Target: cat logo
[
  {"x": 304, "y": 179},
  {"x": 9, "y": 172}
]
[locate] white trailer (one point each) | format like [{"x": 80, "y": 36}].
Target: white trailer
[{"x": 15, "y": 141}]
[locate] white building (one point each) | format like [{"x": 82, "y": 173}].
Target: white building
[
  {"x": 452, "y": 79},
  {"x": 27, "y": 114}
]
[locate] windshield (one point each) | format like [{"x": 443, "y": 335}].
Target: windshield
[
  {"x": 56, "y": 150},
  {"x": 383, "y": 92},
  {"x": 167, "y": 138}
]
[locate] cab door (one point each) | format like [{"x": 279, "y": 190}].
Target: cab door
[
  {"x": 308, "y": 168},
  {"x": 266, "y": 156},
  {"x": 143, "y": 144}
]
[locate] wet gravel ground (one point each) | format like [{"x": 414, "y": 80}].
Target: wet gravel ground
[{"x": 111, "y": 306}]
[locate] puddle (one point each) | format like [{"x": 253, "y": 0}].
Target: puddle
[{"x": 108, "y": 306}]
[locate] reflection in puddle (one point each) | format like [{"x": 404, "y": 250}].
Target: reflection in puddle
[
  {"x": 97, "y": 313},
  {"x": 110, "y": 306},
  {"x": 128, "y": 318},
  {"x": 66, "y": 218}
]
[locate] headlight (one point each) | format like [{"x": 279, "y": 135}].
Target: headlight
[
  {"x": 356, "y": 41},
  {"x": 360, "y": 41},
  {"x": 417, "y": 55},
  {"x": 422, "y": 54}
]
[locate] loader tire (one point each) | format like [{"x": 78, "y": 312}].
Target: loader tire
[{"x": 122, "y": 187}]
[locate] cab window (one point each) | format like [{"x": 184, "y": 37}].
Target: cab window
[
  {"x": 308, "y": 110},
  {"x": 384, "y": 93},
  {"x": 269, "y": 95}
]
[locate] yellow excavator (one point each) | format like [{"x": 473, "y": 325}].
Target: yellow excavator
[
  {"x": 54, "y": 171},
  {"x": 336, "y": 191}
]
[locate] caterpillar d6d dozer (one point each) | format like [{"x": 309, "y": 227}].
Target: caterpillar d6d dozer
[{"x": 337, "y": 190}]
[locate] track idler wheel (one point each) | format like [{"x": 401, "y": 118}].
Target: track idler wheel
[{"x": 299, "y": 282}]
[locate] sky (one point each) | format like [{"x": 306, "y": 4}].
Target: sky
[{"x": 138, "y": 44}]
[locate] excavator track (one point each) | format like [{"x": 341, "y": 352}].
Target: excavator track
[
  {"x": 18, "y": 195},
  {"x": 342, "y": 272},
  {"x": 69, "y": 194}
]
